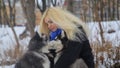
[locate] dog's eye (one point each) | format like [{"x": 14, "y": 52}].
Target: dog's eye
[{"x": 46, "y": 39}]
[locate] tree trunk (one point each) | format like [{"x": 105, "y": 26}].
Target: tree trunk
[
  {"x": 118, "y": 10},
  {"x": 10, "y": 20},
  {"x": 0, "y": 13},
  {"x": 28, "y": 9}
]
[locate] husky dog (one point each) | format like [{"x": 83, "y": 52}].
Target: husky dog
[
  {"x": 41, "y": 53},
  {"x": 34, "y": 57},
  {"x": 44, "y": 54}
]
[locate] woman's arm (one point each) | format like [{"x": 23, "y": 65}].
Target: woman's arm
[
  {"x": 70, "y": 54},
  {"x": 86, "y": 54}
]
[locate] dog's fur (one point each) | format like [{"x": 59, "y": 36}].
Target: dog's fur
[
  {"x": 33, "y": 60},
  {"x": 34, "y": 57}
]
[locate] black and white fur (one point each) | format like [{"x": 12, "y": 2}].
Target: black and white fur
[
  {"x": 38, "y": 53},
  {"x": 34, "y": 57}
]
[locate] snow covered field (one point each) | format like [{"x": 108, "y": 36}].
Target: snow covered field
[
  {"x": 7, "y": 40},
  {"x": 107, "y": 26}
]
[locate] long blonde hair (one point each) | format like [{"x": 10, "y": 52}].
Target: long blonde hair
[{"x": 64, "y": 20}]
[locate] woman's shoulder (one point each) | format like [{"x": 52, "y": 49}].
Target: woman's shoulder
[{"x": 80, "y": 34}]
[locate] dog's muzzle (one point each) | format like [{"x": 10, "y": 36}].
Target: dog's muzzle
[{"x": 55, "y": 45}]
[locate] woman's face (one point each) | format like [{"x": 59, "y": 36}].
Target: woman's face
[{"x": 51, "y": 25}]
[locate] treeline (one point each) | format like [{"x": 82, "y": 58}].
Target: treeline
[{"x": 95, "y": 10}]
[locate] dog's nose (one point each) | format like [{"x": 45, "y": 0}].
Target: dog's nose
[{"x": 52, "y": 50}]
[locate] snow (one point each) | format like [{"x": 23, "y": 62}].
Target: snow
[
  {"x": 107, "y": 26},
  {"x": 10, "y": 66},
  {"x": 7, "y": 39}
]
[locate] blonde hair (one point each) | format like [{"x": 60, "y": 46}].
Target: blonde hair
[{"x": 64, "y": 20}]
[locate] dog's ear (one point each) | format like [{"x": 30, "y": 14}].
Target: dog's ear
[
  {"x": 63, "y": 38},
  {"x": 43, "y": 37},
  {"x": 36, "y": 37},
  {"x": 37, "y": 42}
]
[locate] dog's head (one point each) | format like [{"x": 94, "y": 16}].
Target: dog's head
[
  {"x": 37, "y": 42},
  {"x": 55, "y": 45}
]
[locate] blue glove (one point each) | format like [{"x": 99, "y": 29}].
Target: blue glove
[{"x": 54, "y": 34}]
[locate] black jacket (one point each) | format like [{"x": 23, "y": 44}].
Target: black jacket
[{"x": 75, "y": 50}]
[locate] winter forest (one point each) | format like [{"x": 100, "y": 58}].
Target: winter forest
[{"x": 19, "y": 20}]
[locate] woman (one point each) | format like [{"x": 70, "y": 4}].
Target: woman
[{"x": 53, "y": 22}]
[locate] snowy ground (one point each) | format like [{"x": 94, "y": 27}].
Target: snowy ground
[
  {"x": 11, "y": 66},
  {"x": 107, "y": 26},
  {"x": 7, "y": 38}
]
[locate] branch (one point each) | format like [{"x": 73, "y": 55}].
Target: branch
[
  {"x": 43, "y": 6},
  {"x": 54, "y": 3}
]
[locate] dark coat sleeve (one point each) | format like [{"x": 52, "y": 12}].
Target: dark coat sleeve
[
  {"x": 86, "y": 54},
  {"x": 73, "y": 51},
  {"x": 70, "y": 54}
]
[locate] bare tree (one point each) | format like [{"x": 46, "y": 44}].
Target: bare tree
[
  {"x": 118, "y": 1},
  {"x": 9, "y": 19},
  {"x": 28, "y": 9},
  {"x": 47, "y": 3},
  {"x": 42, "y": 7},
  {"x": 0, "y": 13}
]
